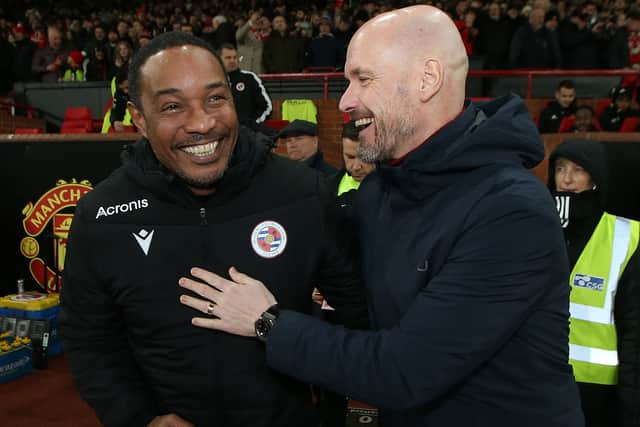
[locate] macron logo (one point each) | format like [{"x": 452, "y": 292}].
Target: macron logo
[
  {"x": 122, "y": 208},
  {"x": 143, "y": 237}
]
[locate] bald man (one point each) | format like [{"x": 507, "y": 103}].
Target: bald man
[{"x": 461, "y": 249}]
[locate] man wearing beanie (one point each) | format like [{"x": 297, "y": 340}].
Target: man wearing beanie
[{"x": 604, "y": 340}]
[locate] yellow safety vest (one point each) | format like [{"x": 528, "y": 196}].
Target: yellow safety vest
[
  {"x": 303, "y": 109},
  {"x": 347, "y": 183},
  {"x": 73, "y": 75},
  {"x": 593, "y": 342}
]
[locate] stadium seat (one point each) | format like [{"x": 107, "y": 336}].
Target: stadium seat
[
  {"x": 601, "y": 106},
  {"x": 275, "y": 124},
  {"x": 77, "y": 113},
  {"x": 630, "y": 124},
  {"x": 566, "y": 123},
  {"x": 76, "y": 126},
  {"x": 77, "y": 118}
]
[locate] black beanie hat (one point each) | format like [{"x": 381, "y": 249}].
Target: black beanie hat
[{"x": 589, "y": 154}]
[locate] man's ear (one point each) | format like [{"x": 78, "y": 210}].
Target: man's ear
[
  {"x": 138, "y": 118},
  {"x": 431, "y": 79}
]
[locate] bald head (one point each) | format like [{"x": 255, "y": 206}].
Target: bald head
[
  {"x": 420, "y": 32},
  {"x": 413, "y": 56}
]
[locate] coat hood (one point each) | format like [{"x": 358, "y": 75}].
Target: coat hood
[
  {"x": 589, "y": 154},
  {"x": 499, "y": 131},
  {"x": 142, "y": 166}
]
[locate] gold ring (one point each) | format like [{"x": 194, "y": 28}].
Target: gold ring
[{"x": 210, "y": 309}]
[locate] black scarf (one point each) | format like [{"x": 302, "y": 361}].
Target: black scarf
[{"x": 579, "y": 215}]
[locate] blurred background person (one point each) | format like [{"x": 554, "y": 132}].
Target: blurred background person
[
  {"x": 563, "y": 106},
  {"x": 253, "y": 103}
]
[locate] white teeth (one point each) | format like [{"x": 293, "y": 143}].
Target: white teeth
[
  {"x": 201, "y": 150},
  {"x": 364, "y": 121}
]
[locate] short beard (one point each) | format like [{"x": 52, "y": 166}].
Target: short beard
[{"x": 388, "y": 133}]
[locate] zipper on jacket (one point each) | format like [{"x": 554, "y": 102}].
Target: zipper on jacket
[{"x": 203, "y": 216}]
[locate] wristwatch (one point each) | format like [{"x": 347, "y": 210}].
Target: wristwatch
[{"x": 266, "y": 321}]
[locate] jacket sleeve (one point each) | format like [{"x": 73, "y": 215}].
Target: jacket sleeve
[
  {"x": 543, "y": 121},
  {"x": 556, "y": 51},
  {"x": 241, "y": 32},
  {"x": 95, "y": 341},
  {"x": 340, "y": 280},
  {"x": 627, "y": 314},
  {"x": 454, "y": 324},
  {"x": 263, "y": 106},
  {"x": 39, "y": 63},
  {"x": 267, "y": 56},
  {"x": 119, "y": 107},
  {"x": 515, "y": 48},
  {"x": 605, "y": 119}
]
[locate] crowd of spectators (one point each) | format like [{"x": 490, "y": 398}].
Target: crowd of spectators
[{"x": 41, "y": 40}]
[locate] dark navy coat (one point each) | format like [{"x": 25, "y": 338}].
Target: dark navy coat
[{"x": 466, "y": 276}]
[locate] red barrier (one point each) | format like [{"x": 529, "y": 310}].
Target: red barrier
[{"x": 529, "y": 74}]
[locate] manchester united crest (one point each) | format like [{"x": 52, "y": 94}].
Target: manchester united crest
[
  {"x": 47, "y": 222},
  {"x": 268, "y": 239}
]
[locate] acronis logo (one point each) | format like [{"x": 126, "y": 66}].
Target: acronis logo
[{"x": 588, "y": 282}]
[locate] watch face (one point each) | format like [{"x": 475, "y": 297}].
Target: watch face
[{"x": 263, "y": 326}]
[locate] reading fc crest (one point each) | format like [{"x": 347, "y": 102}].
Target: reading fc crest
[{"x": 268, "y": 239}]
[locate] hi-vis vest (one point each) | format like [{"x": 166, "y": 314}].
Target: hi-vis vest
[
  {"x": 593, "y": 343},
  {"x": 73, "y": 76},
  {"x": 303, "y": 109},
  {"x": 347, "y": 183}
]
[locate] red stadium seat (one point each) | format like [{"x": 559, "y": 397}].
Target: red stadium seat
[
  {"x": 76, "y": 126},
  {"x": 77, "y": 118},
  {"x": 567, "y": 123},
  {"x": 78, "y": 113},
  {"x": 276, "y": 124},
  {"x": 630, "y": 124},
  {"x": 601, "y": 106}
]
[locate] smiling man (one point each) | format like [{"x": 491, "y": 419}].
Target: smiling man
[
  {"x": 462, "y": 251},
  {"x": 196, "y": 188}
]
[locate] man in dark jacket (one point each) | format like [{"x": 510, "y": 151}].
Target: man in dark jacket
[
  {"x": 604, "y": 344},
  {"x": 621, "y": 108},
  {"x": 325, "y": 50},
  {"x": 534, "y": 45},
  {"x": 22, "y": 55},
  {"x": 301, "y": 139},
  {"x": 462, "y": 250},
  {"x": 283, "y": 52},
  {"x": 197, "y": 186},
  {"x": 563, "y": 106},
  {"x": 253, "y": 103}
]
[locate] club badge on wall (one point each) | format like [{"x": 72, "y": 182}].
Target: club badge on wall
[{"x": 47, "y": 221}]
